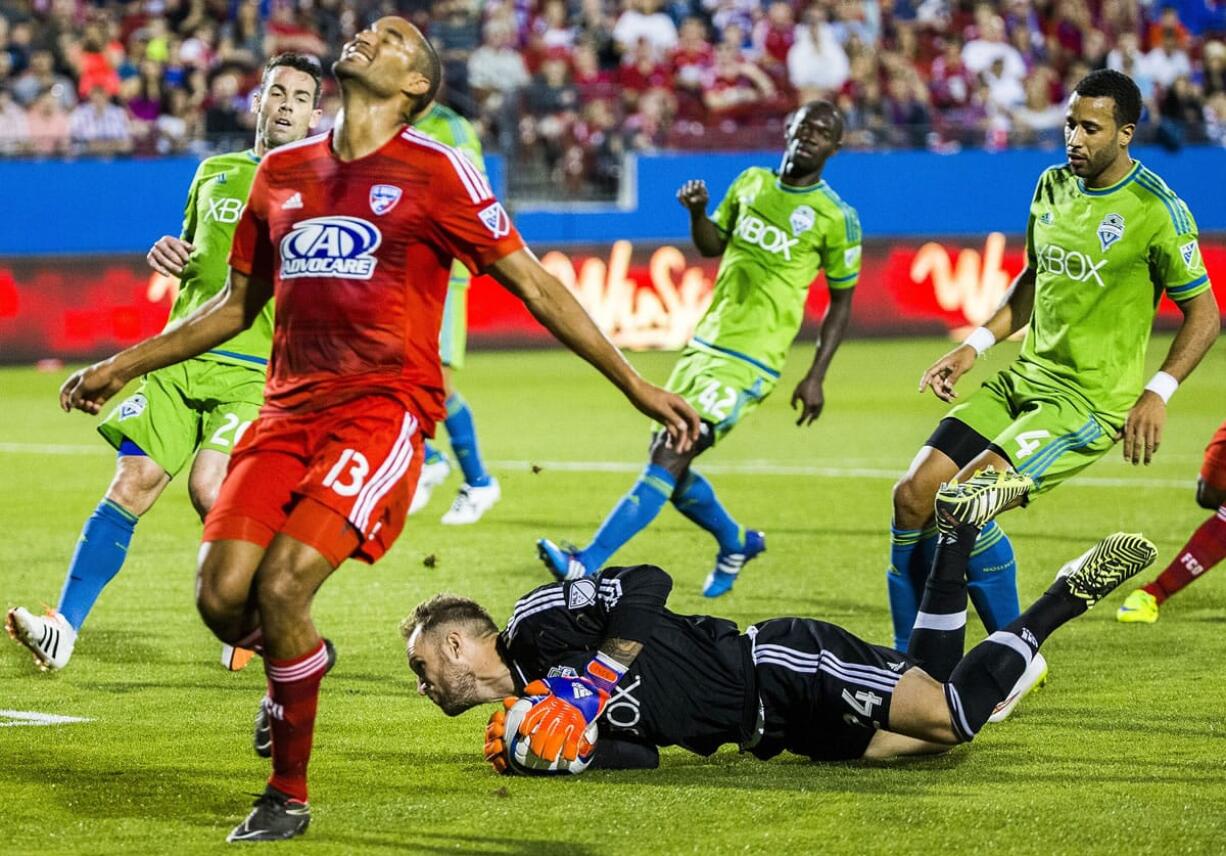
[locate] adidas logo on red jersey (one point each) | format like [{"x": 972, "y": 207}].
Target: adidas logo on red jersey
[{"x": 294, "y": 201}]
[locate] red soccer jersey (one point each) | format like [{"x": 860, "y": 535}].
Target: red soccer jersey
[{"x": 359, "y": 255}]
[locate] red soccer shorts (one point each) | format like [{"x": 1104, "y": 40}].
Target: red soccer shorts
[
  {"x": 1213, "y": 470},
  {"x": 358, "y": 462}
]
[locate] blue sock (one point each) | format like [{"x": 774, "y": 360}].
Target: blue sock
[
  {"x": 463, "y": 434},
  {"x": 991, "y": 577},
  {"x": 905, "y": 581},
  {"x": 432, "y": 454},
  {"x": 630, "y": 516},
  {"x": 98, "y": 557},
  {"x": 696, "y": 499}
]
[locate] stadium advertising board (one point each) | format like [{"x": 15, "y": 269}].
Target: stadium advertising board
[{"x": 642, "y": 295}]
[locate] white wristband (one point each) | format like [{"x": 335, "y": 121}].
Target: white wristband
[
  {"x": 981, "y": 339},
  {"x": 1163, "y": 385}
]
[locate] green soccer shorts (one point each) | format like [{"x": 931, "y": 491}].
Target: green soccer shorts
[
  {"x": 453, "y": 333},
  {"x": 197, "y": 404},
  {"x": 724, "y": 390},
  {"x": 1048, "y": 435}
]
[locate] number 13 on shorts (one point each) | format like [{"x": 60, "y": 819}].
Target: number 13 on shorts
[{"x": 349, "y": 473}]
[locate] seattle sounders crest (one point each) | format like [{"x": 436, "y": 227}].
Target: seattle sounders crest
[
  {"x": 1110, "y": 230},
  {"x": 802, "y": 219}
]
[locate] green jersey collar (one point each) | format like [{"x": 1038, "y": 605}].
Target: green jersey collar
[
  {"x": 1103, "y": 191},
  {"x": 250, "y": 153},
  {"x": 787, "y": 188}
]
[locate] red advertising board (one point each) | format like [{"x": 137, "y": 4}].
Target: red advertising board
[{"x": 642, "y": 296}]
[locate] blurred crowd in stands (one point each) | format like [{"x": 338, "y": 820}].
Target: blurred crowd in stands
[{"x": 571, "y": 85}]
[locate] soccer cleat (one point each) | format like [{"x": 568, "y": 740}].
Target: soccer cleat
[
  {"x": 1140, "y": 607},
  {"x": 432, "y": 475},
  {"x": 1097, "y": 572},
  {"x": 261, "y": 733},
  {"x": 728, "y": 565},
  {"x": 563, "y": 563},
  {"x": 275, "y": 817},
  {"x": 49, "y": 637},
  {"x": 1032, "y": 679},
  {"x": 980, "y": 498},
  {"x": 261, "y": 736},
  {"x": 472, "y": 502},
  {"x": 235, "y": 659}
]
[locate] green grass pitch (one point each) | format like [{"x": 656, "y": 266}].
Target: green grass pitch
[{"x": 1123, "y": 752}]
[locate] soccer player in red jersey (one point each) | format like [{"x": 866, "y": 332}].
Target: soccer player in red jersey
[
  {"x": 354, "y": 231},
  {"x": 1206, "y": 547}
]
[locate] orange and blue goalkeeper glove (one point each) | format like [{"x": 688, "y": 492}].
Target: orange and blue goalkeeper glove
[
  {"x": 495, "y": 750},
  {"x": 556, "y": 724}
]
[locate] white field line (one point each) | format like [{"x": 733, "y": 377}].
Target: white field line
[
  {"x": 30, "y": 717},
  {"x": 766, "y": 468},
  {"x": 50, "y": 449},
  {"x": 757, "y": 468}
]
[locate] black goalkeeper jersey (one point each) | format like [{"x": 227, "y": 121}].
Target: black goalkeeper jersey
[{"x": 693, "y": 683}]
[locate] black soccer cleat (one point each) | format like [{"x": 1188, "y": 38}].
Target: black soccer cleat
[
  {"x": 261, "y": 736},
  {"x": 275, "y": 817},
  {"x": 1099, "y": 571}
]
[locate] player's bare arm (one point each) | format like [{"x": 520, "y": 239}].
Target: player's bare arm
[
  {"x": 551, "y": 303},
  {"x": 694, "y": 197},
  {"x": 169, "y": 255},
  {"x": 1142, "y": 432},
  {"x": 1012, "y": 315},
  {"x": 225, "y": 316},
  {"x": 808, "y": 393},
  {"x": 622, "y": 650}
]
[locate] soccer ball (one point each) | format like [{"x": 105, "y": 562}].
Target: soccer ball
[{"x": 520, "y": 758}]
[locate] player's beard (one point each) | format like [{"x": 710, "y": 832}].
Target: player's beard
[
  {"x": 461, "y": 683},
  {"x": 1096, "y": 167}
]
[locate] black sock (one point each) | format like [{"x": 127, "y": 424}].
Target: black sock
[
  {"x": 987, "y": 674},
  {"x": 953, "y": 554},
  {"x": 939, "y": 634}
]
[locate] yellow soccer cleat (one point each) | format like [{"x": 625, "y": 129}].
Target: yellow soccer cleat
[
  {"x": 1140, "y": 607},
  {"x": 980, "y": 498},
  {"x": 1100, "y": 570}
]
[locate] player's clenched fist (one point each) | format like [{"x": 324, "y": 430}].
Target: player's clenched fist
[
  {"x": 693, "y": 195},
  {"x": 90, "y": 388},
  {"x": 556, "y": 724},
  {"x": 944, "y": 373},
  {"x": 169, "y": 255}
]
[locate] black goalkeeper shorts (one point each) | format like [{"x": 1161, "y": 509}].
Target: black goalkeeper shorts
[{"x": 824, "y": 691}]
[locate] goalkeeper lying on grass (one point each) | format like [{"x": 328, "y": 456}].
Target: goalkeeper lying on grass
[{"x": 605, "y": 651}]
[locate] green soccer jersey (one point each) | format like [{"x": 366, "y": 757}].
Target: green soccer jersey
[
  {"x": 1102, "y": 259},
  {"x": 778, "y": 237},
  {"x": 447, "y": 126},
  {"x": 214, "y": 204}
]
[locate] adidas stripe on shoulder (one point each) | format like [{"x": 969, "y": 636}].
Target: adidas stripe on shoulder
[{"x": 474, "y": 182}]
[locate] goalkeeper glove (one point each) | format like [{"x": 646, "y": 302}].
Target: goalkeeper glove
[
  {"x": 556, "y": 724},
  {"x": 495, "y": 750}
]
